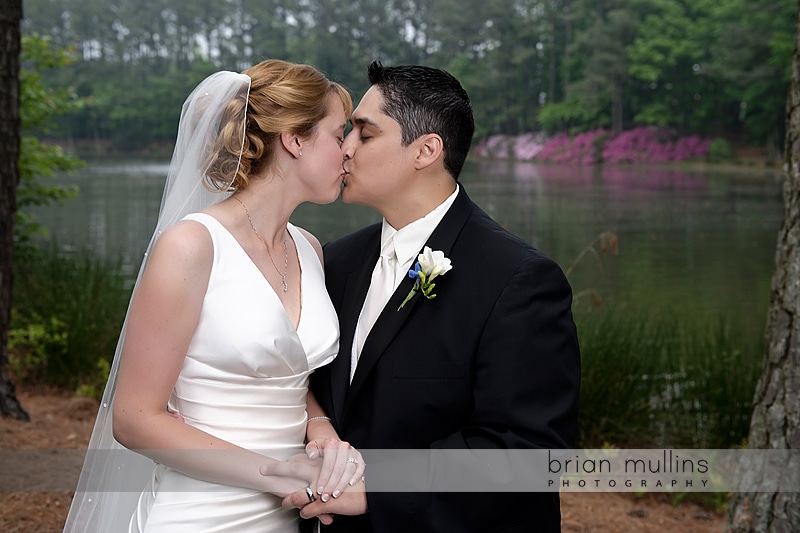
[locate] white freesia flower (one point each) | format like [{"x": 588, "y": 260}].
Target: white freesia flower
[
  {"x": 429, "y": 265},
  {"x": 433, "y": 263}
]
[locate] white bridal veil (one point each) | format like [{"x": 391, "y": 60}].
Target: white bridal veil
[{"x": 112, "y": 476}]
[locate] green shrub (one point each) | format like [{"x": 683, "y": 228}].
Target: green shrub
[
  {"x": 719, "y": 150},
  {"x": 34, "y": 347},
  {"x": 68, "y": 311}
]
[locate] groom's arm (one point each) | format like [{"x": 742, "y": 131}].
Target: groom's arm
[{"x": 527, "y": 366}]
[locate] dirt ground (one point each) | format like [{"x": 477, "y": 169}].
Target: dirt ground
[{"x": 61, "y": 422}]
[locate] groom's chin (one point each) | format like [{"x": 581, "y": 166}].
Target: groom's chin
[{"x": 347, "y": 196}]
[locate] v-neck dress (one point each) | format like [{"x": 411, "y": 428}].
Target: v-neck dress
[{"x": 244, "y": 380}]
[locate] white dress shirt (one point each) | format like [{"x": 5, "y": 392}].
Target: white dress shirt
[{"x": 408, "y": 241}]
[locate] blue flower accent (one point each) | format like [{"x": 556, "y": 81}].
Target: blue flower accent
[
  {"x": 424, "y": 278},
  {"x": 414, "y": 272}
]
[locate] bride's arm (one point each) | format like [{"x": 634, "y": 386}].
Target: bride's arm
[{"x": 163, "y": 316}]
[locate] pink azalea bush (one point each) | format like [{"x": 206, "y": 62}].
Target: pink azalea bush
[
  {"x": 493, "y": 147},
  {"x": 581, "y": 150},
  {"x": 649, "y": 145},
  {"x": 523, "y": 147},
  {"x": 639, "y": 145}
]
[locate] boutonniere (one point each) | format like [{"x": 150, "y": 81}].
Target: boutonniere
[{"x": 429, "y": 265}]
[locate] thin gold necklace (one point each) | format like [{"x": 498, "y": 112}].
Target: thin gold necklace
[{"x": 260, "y": 238}]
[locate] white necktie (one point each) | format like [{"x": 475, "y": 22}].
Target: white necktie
[{"x": 380, "y": 290}]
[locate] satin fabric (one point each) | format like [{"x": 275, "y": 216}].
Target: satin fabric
[{"x": 244, "y": 380}]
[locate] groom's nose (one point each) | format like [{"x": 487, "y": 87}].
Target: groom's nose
[{"x": 347, "y": 148}]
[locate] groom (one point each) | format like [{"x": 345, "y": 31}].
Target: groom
[{"x": 491, "y": 362}]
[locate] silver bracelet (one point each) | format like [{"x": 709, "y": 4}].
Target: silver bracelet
[{"x": 318, "y": 418}]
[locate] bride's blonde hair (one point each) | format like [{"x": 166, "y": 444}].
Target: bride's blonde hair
[{"x": 283, "y": 98}]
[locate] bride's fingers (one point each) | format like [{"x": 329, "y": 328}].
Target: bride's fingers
[
  {"x": 361, "y": 467},
  {"x": 335, "y": 467},
  {"x": 354, "y": 469},
  {"x": 313, "y": 449},
  {"x": 345, "y": 470}
]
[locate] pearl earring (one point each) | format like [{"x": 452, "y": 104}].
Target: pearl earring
[{"x": 299, "y": 152}]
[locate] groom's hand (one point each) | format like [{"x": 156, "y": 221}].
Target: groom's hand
[{"x": 352, "y": 502}]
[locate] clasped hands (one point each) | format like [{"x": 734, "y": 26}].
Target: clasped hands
[{"x": 336, "y": 484}]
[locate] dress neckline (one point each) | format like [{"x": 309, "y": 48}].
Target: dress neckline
[{"x": 294, "y": 234}]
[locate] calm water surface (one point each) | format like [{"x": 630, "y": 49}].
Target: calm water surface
[{"x": 687, "y": 241}]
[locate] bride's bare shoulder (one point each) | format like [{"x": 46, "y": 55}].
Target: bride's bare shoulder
[{"x": 187, "y": 240}]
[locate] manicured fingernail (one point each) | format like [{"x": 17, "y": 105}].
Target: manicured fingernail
[
  {"x": 312, "y": 455},
  {"x": 324, "y": 498},
  {"x": 336, "y": 493},
  {"x": 352, "y": 482},
  {"x": 320, "y": 489}
]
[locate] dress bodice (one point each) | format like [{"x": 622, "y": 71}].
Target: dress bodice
[
  {"x": 244, "y": 379},
  {"x": 245, "y": 375}
]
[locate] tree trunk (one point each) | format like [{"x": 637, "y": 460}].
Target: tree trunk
[
  {"x": 10, "y": 17},
  {"x": 776, "y": 414}
]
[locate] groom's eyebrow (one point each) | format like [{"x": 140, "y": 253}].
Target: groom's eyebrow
[{"x": 363, "y": 121}]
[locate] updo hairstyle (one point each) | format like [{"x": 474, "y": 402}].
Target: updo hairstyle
[{"x": 284, "y": 98}]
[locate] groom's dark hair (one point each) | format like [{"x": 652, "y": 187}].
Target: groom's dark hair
[{"x": 427, "y": 100}]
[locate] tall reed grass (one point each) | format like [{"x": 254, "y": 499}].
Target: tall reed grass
[
  {"x": 67, "y": 311},
  {"x": 664, "y": 378}
]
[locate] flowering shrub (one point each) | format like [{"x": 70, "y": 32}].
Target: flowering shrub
[
  {"x": 493, "y": 147},
  {"x": 649, "y": 145},
  {"x": 639, "y": 145},
  {"x": 582, "y": 149},
  {"x": 523, "y": 147}
]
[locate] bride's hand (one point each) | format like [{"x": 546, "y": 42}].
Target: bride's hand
[
  {"x": 342, "y": 466},
  {"x": 295, "y": 474}
]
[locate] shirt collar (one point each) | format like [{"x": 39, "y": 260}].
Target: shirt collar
[{"x": 410, "y": 239}]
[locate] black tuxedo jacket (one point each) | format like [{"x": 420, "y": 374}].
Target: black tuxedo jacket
[{"x": 491, "y": 362}]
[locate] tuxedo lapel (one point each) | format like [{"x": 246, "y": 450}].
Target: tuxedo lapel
[
  {"x": 355, "y": 292},
  {"x": 391, "y": 319}
]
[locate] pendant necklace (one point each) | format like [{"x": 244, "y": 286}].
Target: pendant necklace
[{"x": 260, "y": 238}]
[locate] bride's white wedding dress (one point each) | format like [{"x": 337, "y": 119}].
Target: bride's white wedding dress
[{"x": 244, "y": 380}]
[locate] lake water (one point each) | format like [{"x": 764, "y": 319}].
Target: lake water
[{"x": 703, "y": 241}]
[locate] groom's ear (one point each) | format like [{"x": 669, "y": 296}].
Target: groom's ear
[{"x": 430, "y": 149}]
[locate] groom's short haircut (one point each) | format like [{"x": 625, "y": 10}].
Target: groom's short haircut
[{"x": 427, "y": 100}]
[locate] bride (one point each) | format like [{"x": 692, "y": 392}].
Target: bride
[{"x": 228, "y": 319}]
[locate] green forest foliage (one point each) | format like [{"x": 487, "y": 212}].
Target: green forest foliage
[
  {"x": 40, "y": 106},
  {"x": 710, "y": 67}
]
